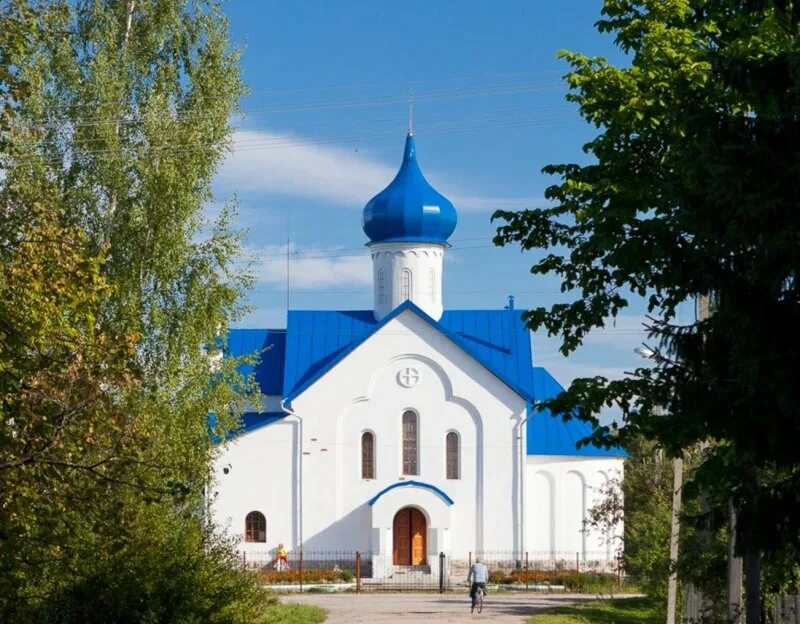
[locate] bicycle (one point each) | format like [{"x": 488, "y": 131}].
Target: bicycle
[{"x": 478, "y": 602}]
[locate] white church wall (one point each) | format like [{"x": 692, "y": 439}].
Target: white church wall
[
  {"x": 257, "y": 472},
  {"x": 560, "y": 490},
  {"x": 452, "y": 392}
]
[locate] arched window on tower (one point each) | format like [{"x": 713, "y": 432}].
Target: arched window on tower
[
  {"x": 381, "y": 286},
  {"x": 405, "y": 284},
  {"x": 410, "y": 446},
  {"x": 432, "y": 285},
  {"x": 367, "y": 455},
  {"x": 452, "y": 455},
  {"x": 255, "y": 527}
]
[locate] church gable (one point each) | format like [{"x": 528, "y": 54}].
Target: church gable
[{"x": 318, "y": 340}]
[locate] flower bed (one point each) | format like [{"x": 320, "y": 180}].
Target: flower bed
[
  {"x": 572, "y": 581},
  {"x": 310, "y": 577}
]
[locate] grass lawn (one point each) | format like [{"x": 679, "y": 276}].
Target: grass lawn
[
  {"x": 620, "y": 611},
  {"x": 289, "y": 613}
]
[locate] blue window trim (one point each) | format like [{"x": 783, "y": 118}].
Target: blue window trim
[{"x": 419, "y": 484}]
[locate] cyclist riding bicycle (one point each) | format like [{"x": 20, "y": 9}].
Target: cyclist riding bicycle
[{"x": 479, "y": 575}]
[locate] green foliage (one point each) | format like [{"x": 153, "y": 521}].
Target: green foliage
[
  {"x": 624, "y": 610},
  {"x": 167, "y": 571},
  {"x": 292, "y": 613},
  {"x": 113, "y": 287},
  {"x": 690, "y": 190},
  {"x": 644, "y": 500}
]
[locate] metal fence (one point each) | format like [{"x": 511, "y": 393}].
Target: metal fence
[
  {"x": 787, "y": 609},
  {"x": 370, "y": 571}
]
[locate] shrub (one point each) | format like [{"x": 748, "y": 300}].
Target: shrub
[{"x": 167, "y": 571}]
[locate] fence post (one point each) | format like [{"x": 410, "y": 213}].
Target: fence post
[
  {"x": 244, "y": 560},
  {"x": 301, "y": 570},
  {"x": 470, "y": 559},
  {"x": 527, "y": 573},
  {"x": 619, "y": 572},
  {"x": 578, "y": 562},
  {"x": 441, "y": 572},
  {"x": 358, "y": 572}
]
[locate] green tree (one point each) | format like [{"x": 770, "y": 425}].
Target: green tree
[
  {"x": 113, "y": 287},
  {"x": 643, "y": 501},
  {"x": 690, "y": 190}
]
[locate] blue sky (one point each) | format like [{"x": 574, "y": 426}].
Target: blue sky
[{"x": 323, "y": 132}]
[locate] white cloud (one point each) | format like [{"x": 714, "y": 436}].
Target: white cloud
[
  {"x": 268, "y": 162},
  {"x": 307, "y": 267}
]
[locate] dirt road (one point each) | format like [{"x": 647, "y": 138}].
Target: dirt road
[{"x": 387, "y": 607}]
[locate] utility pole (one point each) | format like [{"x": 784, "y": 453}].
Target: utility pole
[
  {"x": 705, "y": 606},
  {"x": 734, "y": 570},
  {"x": 672, "y": 586},
  {"x": 675, "y": 528},
  {"x": 734, "y": 562}
]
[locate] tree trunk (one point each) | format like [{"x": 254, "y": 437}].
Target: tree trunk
[
  {"x": 734, "y": 571},
  {"x": 752, "y": 588}
]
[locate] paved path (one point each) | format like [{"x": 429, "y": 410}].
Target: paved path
[{"x": 390, "y": 607}]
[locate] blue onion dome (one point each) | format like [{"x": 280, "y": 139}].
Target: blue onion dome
[{"x": 409, "y": 210}]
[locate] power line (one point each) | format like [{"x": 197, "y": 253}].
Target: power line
[
  {"x": 350, "y": 87},
  {"x": 494, "y": 90},
  {"x": 369, "y": 330},
  {"x": 382, "y": 333},
  {"x": 334, "y": 291},
  {"x": 300, "y": 254},
  {"x": 282, "y": 256},
  {"x": 186, "y": 149},
  {"x": 345, "y": 127}
]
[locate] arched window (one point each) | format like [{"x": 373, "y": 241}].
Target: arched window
[
  {"x": 405, "y": 284},
  {"x": 367, "y": 455},
  {"x": 255, "y": 527},
  {"x": 452, "y": 455},
  {"x": 381, "y": 286},
  {"x": 432, "y": 285},
  {"x": 410, "y": 447}
]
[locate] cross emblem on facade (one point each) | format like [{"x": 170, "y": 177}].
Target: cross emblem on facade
[{"x": 407, "y": 377}]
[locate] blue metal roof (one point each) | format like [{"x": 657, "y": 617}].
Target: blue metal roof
[
  {"x": 249, "y": 421},
  {"x": 409, "y": 209},
  {"x": 255, "y": 420},
  {"x": 316, "y": 340},
  {"x": 550, "y": 435},
  {"x": 272, "y": 344},
  {"x": 419, "y": 484}
]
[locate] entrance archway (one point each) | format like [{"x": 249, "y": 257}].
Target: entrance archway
[{"x": 409, "y": 532}]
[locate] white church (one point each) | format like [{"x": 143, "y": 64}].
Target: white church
[{"x": 408, "y": 429}]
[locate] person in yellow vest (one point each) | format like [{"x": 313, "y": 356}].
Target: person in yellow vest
[{"x": 282, "y": 559}]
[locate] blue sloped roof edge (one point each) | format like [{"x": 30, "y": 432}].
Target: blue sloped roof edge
[
  {"x": 551, "y": 435},
  {"x": 250, "y": 421},
  {"x": 406, "y": 305}
]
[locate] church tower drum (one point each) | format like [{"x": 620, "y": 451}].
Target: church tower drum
[{"x": 408, "y": 224}]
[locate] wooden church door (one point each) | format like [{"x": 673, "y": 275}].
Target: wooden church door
[{"x": 409, "y": 533}]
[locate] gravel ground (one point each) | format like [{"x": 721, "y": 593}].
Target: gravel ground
[{"x": 389, "y": 607}]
